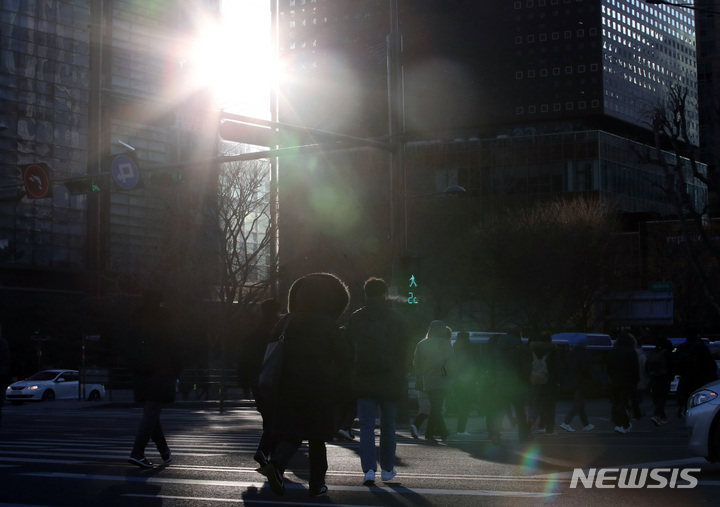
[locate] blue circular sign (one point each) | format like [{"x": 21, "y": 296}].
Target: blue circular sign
[{"x": 125, "y": 172}]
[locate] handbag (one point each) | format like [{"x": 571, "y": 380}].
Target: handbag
[{"x": 272, "y": 365}]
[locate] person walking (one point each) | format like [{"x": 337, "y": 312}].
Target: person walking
[
  {"x": 579, "y": 380},
  {"x": 622, "y": 368},
  {"x": 305, "y": 408},
  {"x": 544, "y": 381},
  {"x": 156, "y": 366},
  {"x": 433, "y": 363},
  {"x": 252, "y": 354},
  {"x": 379, "y": 377},
  {"x": 510, "y": 366},
  {"x": 695, "y": 365},
  {"x": 4, "y": 370},
  {"x": 659, "y": 370},
  {"x": 465, "y": 382},
  {"x": 643, "y": 379}
]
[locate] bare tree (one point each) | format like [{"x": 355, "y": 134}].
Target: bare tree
[
  {"x": 547, "y": 267},
  {"x": 245, "y": 230},
  {"x": 686, "y": 185}
]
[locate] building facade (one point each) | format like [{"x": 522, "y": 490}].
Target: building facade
[
  {"x": 516, "y": 101},
  {"x": 83, "y": 82}
]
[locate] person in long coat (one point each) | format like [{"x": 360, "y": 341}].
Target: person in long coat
[
  {"x": 306, "y": 406},
  {"x": 433, "y": 363},
  {"x": 623, "y": 371},
  {"x": 156, "y": 366}
]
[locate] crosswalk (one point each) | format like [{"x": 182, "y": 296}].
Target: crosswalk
[
  {"x": 81, "y": 449},
  {"x": 214, "y": 463}
]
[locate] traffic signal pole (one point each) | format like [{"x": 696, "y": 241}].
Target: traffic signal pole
[{"x": 396, "y": 128}]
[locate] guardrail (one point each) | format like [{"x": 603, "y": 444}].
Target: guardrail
[{"x": 193, "y": 383}]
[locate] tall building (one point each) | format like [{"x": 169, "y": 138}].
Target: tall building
[
  {"x": 83, "y": 82},
  {"x": 514, "y": 100}
]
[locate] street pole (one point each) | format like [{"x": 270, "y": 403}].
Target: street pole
[{"x": 396, "y": 130}]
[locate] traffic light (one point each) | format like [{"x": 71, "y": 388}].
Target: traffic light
[
  {"x": 84, "y": 185},
  {"x": 166, "y": 178}
]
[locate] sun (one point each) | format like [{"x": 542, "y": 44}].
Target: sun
[{"x": 234, "y": 57}]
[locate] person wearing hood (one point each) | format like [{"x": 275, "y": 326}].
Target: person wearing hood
[
  {"x": 433, "y": 364},
  {"x": 623, "y": 370},
  {"x": 579, "y": 380},
  {"x": 305, "y": 407}
]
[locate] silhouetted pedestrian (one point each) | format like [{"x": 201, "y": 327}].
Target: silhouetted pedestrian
[
  {"x": 660, "y": 371},
  {"x": 695, "y": 365},
  {"x": 579, "y": 380},
  {"x": 306, "y": 404},
  {"x": 464, "y": 387},
  {"x": 544, "y": 381},
  {"x": 379, "y": 377},
  {"x": 433, "y": 363},
  {"x": 510, "y": 374},
  {"x": 155, "y": 366},
  {"x": 622, "y": 368},
  {"x": 643, "y": 379},
  {"x": 252, "y": 355}
]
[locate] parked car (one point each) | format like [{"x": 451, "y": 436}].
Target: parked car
[
  {"x": 50, "y": 385},
  {"x": 703, "y": 420}
]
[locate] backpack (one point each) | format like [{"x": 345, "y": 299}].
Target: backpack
[
  {"x": 539, "y": 371},
  {"x": 656, "y": 365}
]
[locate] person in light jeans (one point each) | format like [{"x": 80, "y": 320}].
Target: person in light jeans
[
  {"x": 378, "y": 377},
  {"x": 367, "y": 414}
]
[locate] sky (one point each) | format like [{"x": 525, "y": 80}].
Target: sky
[{"x": 247, "y": 58}]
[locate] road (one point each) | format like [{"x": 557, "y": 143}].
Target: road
[{"x": 74, "y": 454}]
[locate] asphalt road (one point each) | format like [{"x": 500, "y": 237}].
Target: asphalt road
[{"x": 74, "y": 454}]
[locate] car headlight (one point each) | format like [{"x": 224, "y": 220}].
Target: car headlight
[
  {"x": 700, "y": 397},
  {"x": 32, "y": 388}
]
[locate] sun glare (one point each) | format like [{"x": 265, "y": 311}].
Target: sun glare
[{"x": 235, "y": 58}]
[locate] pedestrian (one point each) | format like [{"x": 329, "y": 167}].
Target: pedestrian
[
  {"x": 580, "y": 381},
  {"x": 155, "y": 366},
  {"x": 347, "y": 407},
  {"x": 642, "y": 385},
  {"x": 433, "y": 362},
  {"x": 4, "y": 369},
  {"x": 305, "y": 408},
  {"x": 510, "y": 373},
  {"x": 252, "y": 354},
  {"x": 695, "y": 365},
  {"x": 544, "y": 380},
  {"x": 622, "y": 368},
  {"x": 423, "y": 409},
  {"x": 659, "y": 370},
  {"x": 465, "y": 382},
  {"x": 379, "y": 377}
]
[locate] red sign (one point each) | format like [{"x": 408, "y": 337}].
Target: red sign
[{"x": 37, "y": 181}]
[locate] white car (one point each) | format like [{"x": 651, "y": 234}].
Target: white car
[
  {"x": 50, "y": 385},
  {"x": 703, "y": 420}
]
